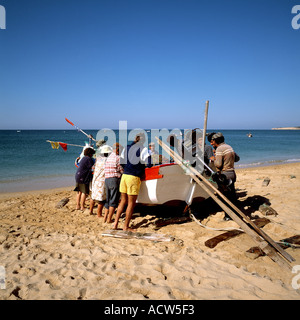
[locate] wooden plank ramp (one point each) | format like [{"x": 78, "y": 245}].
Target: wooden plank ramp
[
  {"x": 263, "y": 241},
  {"x": 137, "y": 235}
]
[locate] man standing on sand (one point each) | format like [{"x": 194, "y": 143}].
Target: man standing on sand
[
  {"x": 224, "y": 162},
  {"x": 135, "y": 158}
]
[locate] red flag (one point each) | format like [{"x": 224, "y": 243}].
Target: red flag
[
  {"x": 69, "y": 121},
  {"x": 64, "y": 146}
]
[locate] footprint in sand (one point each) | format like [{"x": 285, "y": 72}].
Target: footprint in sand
[{"x": 53, "y": 284}]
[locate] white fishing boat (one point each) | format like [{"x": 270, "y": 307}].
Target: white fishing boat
[{"x": 167, "y": 184}]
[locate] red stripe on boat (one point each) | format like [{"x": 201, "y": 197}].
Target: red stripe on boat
[{"x": 153, "y": 172}]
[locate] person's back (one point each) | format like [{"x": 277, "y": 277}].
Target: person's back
[
  {"x": 225, "y": 157},
  {"x": 83, "y": 177},
  {"x": 224, "y": 162},
  {"x": 112, "y": 166},
  {"x": 84, "y": 169},
  {"x": 113, "y": 173},
  {"x": 135, "y": 159}
]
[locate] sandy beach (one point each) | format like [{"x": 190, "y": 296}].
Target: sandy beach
[{"x": 60, "y": 253}]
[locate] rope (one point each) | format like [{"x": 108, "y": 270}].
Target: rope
[
  {"x": 214, "y": 229},
  {"x": 294, "y": 246}
]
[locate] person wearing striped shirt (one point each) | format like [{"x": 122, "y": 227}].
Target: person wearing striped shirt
[
  {"x": 113, "y": 172},
  {"x": 224, "y": 162}
]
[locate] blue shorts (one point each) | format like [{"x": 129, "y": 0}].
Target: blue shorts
[{"x": 112, "y": 192}]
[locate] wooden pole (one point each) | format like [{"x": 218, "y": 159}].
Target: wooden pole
[{"x": 205, "y": 125}]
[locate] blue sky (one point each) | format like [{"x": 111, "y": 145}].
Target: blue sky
[{"x": 153, "y": 63}]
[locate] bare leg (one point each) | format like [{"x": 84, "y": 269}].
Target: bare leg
[
  {"x": 92, "y": 203},
  {"x": 105, "y": 214},
  {"x": 129, "y": 212},
  {"x": 78, "y": 200},
  {"x": 120, "y": 209},
  {"x": 111, "y": 211},
  {"x": 83, "y": 198},
  {"x": 99, "y": 209}
]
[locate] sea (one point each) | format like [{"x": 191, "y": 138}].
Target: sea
[{"x": 28, "y": 161}]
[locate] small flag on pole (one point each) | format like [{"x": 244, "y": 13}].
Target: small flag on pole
[
  {"x": 54, "y": 145},
  {"x": 63, "y": 145}
]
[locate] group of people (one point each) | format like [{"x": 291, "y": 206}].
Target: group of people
[{"x": 116, "y": 179}]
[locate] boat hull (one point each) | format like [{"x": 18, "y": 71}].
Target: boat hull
[{"x": 168, "y": 184}]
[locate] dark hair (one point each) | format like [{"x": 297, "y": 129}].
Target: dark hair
[
  {"x": 219, "y": 140},
  {"x": 89, "y": 152},
  {"x": 209, "y": 135}
]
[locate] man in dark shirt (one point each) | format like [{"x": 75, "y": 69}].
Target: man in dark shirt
[{"x": 135, "y": 158}]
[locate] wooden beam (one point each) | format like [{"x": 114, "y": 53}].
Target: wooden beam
[
  {"x": 260, "y": 238},
  {"x": 212, "y": 242}
]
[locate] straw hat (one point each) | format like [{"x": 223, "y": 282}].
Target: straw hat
[{"x": 105, "y": 149}]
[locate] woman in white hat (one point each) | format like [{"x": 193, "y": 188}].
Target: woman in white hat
[{"x": 98, "y": 183}]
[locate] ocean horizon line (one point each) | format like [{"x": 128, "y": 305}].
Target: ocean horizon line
[{"x": 208, "y": 129}]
